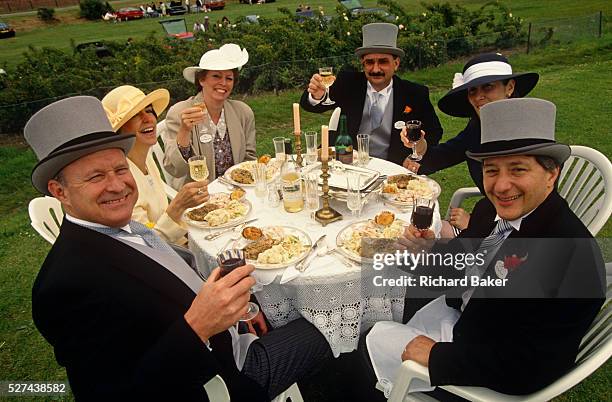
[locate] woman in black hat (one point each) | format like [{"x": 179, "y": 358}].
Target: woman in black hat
[{"x": 485, "y": 78}]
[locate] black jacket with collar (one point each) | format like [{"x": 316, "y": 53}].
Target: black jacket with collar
[
  {"x": 349, "y": 92},
  {"x": 521, "y": 337},
  {"x": 115, "y": 320}
]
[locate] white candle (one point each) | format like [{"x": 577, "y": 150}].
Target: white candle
[
  {"x": 324, "y": 143},
  {"x": 296, "y": 118}
]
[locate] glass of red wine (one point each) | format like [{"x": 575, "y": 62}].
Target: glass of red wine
[
  {"x": 228, "y": 261},
  {"x": 422, "y": 213},
  {"x": 413, "y": 132}
]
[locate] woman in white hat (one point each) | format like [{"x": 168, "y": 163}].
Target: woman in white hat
[
  {"x": 485, "y": 78},
  {"x": 131, "y": 111},
  {"x": 209, "y": 123}
]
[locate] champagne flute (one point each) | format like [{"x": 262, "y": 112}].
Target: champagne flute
[
  {"x": 229, "y": 260},
  {"x": 259, "y": 175},
  {"x": 311, "y": 147},
  {"x": 327, "y": 78},
  {"x": 197, "y": 168},
  {"x": 353, "y": 194},
  {"x": 203, "y": 126},
  {"x": 413, "y": 132}
]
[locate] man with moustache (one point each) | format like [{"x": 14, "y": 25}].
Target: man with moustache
[
  {"x": 375, "y": 99},
  {"x": 127, "y": 316}
]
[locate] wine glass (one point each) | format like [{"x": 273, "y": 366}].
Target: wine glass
[
  {"x": 229, "y": 260},
  {"x": 413, "y": 132},
  {"x": 259, "y": 175},
  {"x": 311, "y": 198},
  {"x": 203, "y": 126},
  {"x": 311, "y": 147},
  {"x": 197, "y": 168},
  {"x": 363, "y": 149},
  {"x": 327, "y": 78},
  {"x": 353, "y": 193},
  {"x": 422, "y": 213}
]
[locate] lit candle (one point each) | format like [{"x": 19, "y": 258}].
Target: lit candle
[
  {"x": 324, "y": 143},
  {"x": 296, "y": 118}
]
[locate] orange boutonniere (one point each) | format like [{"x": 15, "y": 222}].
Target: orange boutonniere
[{"x": 407, "y": 109}]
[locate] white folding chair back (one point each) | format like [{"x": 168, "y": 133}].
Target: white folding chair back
[
  {"x": 46, "y": 216},
  {"x": 217, "y": 392},
  {"x": 595, "y": 350},
  {"x": 585, "y": 182},
  {"x": 158, "y": 156}
]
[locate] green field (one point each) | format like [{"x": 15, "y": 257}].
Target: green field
[
  {"x": 62, "y": 35},
  {"x": 576, "y": 77}
]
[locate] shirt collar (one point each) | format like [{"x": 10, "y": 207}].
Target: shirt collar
[
  {"x": 82, "y": 222},
  {"x": 516, "y": 224},
  {"x": 386, "y": 91}
]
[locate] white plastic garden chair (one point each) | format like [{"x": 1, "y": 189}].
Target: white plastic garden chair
[
  {"x": 217, "y": 392},
  {"x": 46, "y": 217},
  {"x": 158, "y": 156},
  {"x": 595, "y": 349},
  {"x": 585, "y": 183}
]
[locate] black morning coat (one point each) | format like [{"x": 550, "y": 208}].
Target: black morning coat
[
  {"x": 349, "y": 93},
  {"x": 519, "y": 338},
  {"x": 115, "y": 320}
]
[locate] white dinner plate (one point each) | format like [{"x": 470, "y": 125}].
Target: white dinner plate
[
  {"x": 273, "y": 171},
  {"x": 375, "y": 231},
  {"x": 337, "y": 178},
  {"x": 404, "y": 197},
  {"x": 288, "y": 230},
  {"x": 232, "y": 222}
]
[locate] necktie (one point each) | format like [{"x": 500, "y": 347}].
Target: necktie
[
  {"x": 376, "y": 112},
  {"x": 149, "y": 236},
  {"x": 489, "y": 246}
]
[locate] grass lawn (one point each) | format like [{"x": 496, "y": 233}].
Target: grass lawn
[
  {"x": 32, "y": 32},
  {"x": 575, "y": 77}
]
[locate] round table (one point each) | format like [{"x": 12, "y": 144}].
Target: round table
[{"x": 335, "y": 298}]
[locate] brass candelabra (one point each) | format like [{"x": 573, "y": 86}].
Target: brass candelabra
[
  {"x": 298, "y": 148},
  {"x": 326, "y": 214}
]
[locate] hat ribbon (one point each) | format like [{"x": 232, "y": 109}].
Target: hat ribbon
[
  {"x": 124, "y": 106},
  {"x": 488, "y": 68}
]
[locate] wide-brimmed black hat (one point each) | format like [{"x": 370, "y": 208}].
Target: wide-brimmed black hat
[
  {"x": 67, "y": 130},
  {"x": 519, "y": 127},
  {"x": 482, "y": 69}
]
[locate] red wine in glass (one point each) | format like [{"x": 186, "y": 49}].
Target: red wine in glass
[
  {"x": 228, "y": 261},
  {"x": 413, "y": 132},
  {"x": 422, "y": 217}
]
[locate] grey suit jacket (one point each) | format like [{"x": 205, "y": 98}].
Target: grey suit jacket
[{"x": 240, "y": 122}]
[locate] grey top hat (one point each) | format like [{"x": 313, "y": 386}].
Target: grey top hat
[
  {"x": 379, "y": 37},
  {"x": 523, "y": 126},
  {"x": 67, "y": 130}
]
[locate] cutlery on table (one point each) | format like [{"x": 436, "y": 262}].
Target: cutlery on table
[
  {"x": 311, "y": 254},
  {"x": 213, "y": 236},
  {"x": 336, "y": 253}
]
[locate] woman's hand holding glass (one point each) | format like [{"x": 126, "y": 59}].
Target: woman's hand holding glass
[{"x": 413, "y": 137}]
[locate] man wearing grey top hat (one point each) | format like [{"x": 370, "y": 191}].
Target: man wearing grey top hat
[
  {"x": 375, "y": 99},
  {"x": 128, "y": 316},
  {"x": 516, "y": 326}
]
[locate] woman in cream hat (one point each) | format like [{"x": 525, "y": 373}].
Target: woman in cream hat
[
  {"x": 130, "y": 111},
  {"x": 209, "y": 123},
  {"x": 485, "y": 78}
]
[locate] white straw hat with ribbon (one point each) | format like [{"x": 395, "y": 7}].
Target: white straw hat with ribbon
[
  {"x": 227, "y": 57},
  {"x": 126, "y": 101}
]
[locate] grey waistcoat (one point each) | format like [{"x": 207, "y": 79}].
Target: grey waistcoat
[{"x": 380, "y": 137}]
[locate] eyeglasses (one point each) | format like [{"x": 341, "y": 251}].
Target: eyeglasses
[{"x": 382, "y": 62}]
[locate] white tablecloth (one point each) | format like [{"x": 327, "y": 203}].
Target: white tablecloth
[{"x": 336, "y": 299}]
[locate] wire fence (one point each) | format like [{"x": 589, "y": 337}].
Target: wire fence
[{"x": 282, "y": 74}]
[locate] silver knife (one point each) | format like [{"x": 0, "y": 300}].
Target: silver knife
[
  {"x": 213, "y": 236},
  {"x": 306, "y": 261}
]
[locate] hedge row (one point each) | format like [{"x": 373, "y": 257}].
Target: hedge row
[{"x": 283, "y": 54}]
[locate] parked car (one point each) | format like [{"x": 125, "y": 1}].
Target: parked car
[
  {"x": 356, "y": 9},
  {"x": 177, "y": 28},
  {"x": 215, "y": 4},
  {"x": 6, "y": 31},
  {"x": 129, "y": 13},
  {"x": 176, "y": 8}
]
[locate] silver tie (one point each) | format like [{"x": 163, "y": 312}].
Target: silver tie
[{"x": 376, "y": 112}]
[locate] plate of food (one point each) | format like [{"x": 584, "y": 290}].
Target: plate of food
[
  {"x": 222, "y": 210},
  {"x": 401, "y": 189},
  {"x": 272, "y": 247},
  {"x": 242, "y": 173},
  {"x": 360, "y": 240}
]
